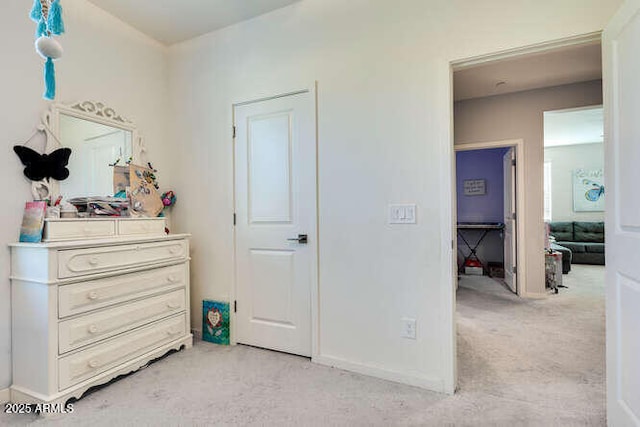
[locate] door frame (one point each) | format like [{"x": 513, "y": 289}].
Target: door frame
[
  {"x": 464, "y": 63},
  {"x": 312, "y": 89},
  {"x": 449, "y": 207},
  {"x": 518, "y": 144}
]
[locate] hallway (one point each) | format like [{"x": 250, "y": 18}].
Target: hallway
[{"x": 544, "y": 359}]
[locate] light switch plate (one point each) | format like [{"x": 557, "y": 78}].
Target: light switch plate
[{"x": 402, "y": 214}]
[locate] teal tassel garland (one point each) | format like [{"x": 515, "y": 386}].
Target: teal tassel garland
[
  {"x": 49, "y": 80},
  {"x": 41, "y": 29},
  {"x": 48, "y": 17},
  {"x": 36, "y": 11},
  {"x": 54, "y": 21}
]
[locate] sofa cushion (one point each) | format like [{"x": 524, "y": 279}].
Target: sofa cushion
[
  {"x": 597, "y": 248},
  {"x": 588, "y": 232},
  {"x": 576, "y": 247},
  {"x": 588, "y": 258},
  {"x": 562, "y": 231}
]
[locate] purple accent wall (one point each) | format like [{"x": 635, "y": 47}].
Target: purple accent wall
[{"x": 487, "y": 165}]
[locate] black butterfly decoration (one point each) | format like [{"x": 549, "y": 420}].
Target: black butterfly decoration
[{"x": 39, "y": 166}]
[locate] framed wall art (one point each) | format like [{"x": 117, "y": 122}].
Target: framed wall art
[
  {"x": 475, "y": 187},
  {"x": 588, "y": 190}
]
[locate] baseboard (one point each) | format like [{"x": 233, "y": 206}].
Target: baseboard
[
  {"x": 416, "y": 380},
  {"x": 532, "y": 295},
  {"x": 197, "y": 334},
  {"x": 5, "y": 396}
]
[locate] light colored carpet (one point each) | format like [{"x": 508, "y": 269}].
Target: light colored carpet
[
  {"x": 521, "y": 363},
  {"x": 542, "y": 360}
]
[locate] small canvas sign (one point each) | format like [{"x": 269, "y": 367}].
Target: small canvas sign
[
  {"x": 588, "y": 190},
  {"x": 475, "y": 187},
  {"x": 215, "y": 322},
  {"x": 33, "y": 222}
]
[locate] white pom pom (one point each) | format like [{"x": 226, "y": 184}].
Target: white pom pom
[{"x": 48, "y": 48}]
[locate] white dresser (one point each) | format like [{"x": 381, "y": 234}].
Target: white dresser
[{"x": 87, "y": 310}]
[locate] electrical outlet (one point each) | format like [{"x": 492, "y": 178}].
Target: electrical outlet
[{"x": 408, "y": 328}]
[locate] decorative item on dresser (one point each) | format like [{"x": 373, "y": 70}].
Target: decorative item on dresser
[{"x": 87, "y": 308}]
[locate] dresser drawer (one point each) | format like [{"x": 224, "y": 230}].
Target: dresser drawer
[
  {"x": 92, "y": 361},
  {"x": 80, "y": 262},
  {"x": 56, "y": 230},
  {"x": 138, "y": 227},
  {"x": 82, "y": 297},
  {"x": 94, "y": 327}
]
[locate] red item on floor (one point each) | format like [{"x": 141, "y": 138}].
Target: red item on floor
[{"x": 472, "y": 263}]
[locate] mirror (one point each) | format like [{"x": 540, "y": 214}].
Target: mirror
[
  {"x": 98, "y": 137},
  {"x": 94, "y": 147}
]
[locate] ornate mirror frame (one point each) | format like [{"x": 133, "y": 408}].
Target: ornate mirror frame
[{"x": 92, "y": 111}]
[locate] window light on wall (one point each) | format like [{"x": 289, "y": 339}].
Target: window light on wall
[{"x": 547, "y": 191}]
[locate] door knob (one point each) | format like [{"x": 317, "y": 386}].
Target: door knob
[{"x": 302, "y": 239}]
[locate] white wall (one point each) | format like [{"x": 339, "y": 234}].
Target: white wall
[
  {"x": 564, "y": 160},
  {"x": 384, "y": 130},
  {"x": 104, "y": 60},
  {"x": 520, "y": 116}
]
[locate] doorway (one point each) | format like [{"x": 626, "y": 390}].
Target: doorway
[
  {"x": 574, "y": 190},
  {"x": 497, "y": 331},
  {"x": 487, "y": 185},
  {"x": 275, "y": 223},
  {"x": 504, "y": 98}
]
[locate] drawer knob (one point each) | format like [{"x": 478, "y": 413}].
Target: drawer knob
[
  {"x": 93, "y": 329},
  {"x": 93, "y": 364},
  {"x": 173, "y": 305},
  {"x": 92, "y": 295},
  {"x": 174, "y": 250},
  {"x": 93, "y": 261},
  {"x": 171, "y": 278},
  {"x": 171, "y": 333}
]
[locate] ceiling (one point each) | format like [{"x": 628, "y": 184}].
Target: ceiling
[
  {"x": 574, "y": 126},
  {"x": 172, "y": 21},
  {"x": 561, "y": 66}
]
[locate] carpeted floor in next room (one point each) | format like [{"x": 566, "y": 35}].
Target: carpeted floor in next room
[{"x": 521, "y": 363}]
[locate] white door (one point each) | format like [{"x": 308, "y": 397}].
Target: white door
[
  {"x": 275, "y": 159},
  {"x": 621, "y": 77},
  {"x": 510, "y": 219}
]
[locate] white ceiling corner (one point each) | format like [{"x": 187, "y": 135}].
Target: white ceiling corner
[{"x": 172, "y": 21}]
